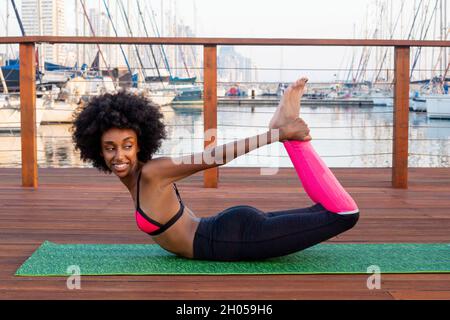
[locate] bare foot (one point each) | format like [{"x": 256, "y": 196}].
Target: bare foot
[{"x": 289, "y": 107}]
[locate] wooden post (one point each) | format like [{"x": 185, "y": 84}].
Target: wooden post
[
  {"x": 401, "y": 119},
  {"x": 210, "y": 176},
  {"x": 28, "y": 115}
]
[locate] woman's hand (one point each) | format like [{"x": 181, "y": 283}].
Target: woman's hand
[{"x": 295, "y": 130}]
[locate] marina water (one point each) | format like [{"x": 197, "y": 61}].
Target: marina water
[{"x": 344, "y": 136}]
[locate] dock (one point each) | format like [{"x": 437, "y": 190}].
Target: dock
[
  {"x": 27, "y": 65},
  {"x": 257, "y": 101},
  {"x": 81, "y": 205}
]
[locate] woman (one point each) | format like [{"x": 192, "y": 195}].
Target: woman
[{"x": 119, "y": 133}]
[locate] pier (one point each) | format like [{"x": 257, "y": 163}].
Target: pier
[
  {"x": 70, "y": 207},
  {"x": 397, "y": 204},
  {"x": 305, "y": 102},
  {"x": 401, "y": 88}
]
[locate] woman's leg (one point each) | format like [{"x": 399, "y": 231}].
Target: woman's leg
[
  {"x": 286, "y": 234},
  {"x": 315, "y": 208},
  {"x": 317, "y": 179},
  {"x": 246, "y": 233}
]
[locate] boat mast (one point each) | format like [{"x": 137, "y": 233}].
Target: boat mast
[
  {"x": 22, "y": 28},
  {"x": 162, "y": 17},
  {"x": 41, "y": 60},
  {"x": 281, "y": 64},
  {"x": 107, "y": 28},
  {"x": 18, "y": 18},
  {"x": 443, "y": 33},
  {"x": 138, "y": 56},
  {"x": 422, "y": 36},
  {"x": 7, "y": 22},
  {"x": 150, "y": 46},
  {"x": 129, "y": 46},
  {"x": 194, "y": 49},
  {"x": 84, "y": 35},
  {"x": 350, "y": 69},
  {"x": 76, "y": 33},
  {"x": 115, "y": 32},
  {"x": 391, "y": 33},
  {"x": 152, "y": 15},
  {"x": 98, "y": 46},
  {"x": 173, "y": 10},
  {"x": 378, "y": 32}
]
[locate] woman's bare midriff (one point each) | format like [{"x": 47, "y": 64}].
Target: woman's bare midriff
[
  {"x": 179, "y": 238},
  {"x": 163, "y": 203}
]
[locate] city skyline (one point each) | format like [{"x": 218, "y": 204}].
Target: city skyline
[
  {"x": 46, "y": 17},
  {"x": 289, "y": 19}
]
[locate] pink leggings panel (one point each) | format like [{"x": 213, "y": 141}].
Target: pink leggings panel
[{"x": 317, "y": 179}]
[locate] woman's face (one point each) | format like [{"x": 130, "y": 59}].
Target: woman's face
[{"x": 119, "y": 149}]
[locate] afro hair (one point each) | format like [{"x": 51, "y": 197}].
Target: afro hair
[{"x": 121, "y": 110}]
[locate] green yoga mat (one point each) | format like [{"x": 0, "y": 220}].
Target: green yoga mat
[{"x": 52, "y": 259}]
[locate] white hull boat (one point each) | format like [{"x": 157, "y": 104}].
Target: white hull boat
[
  {"x": 10, "y": 116},
  {"x": 438, "y": 107},
  {"x": 162, "y": 98},
  {"x": 381, "y": 99},
  {"x": 418, "y": 103},
  {"x": 59, "y": 112}
]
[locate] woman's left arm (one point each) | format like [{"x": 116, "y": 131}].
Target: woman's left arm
[{"x": 170, "y": 169}]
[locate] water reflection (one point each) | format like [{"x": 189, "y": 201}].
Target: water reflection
[{"x": 343, "y": 136}]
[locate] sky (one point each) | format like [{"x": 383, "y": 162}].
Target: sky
[{"x": 281, "y": 19}]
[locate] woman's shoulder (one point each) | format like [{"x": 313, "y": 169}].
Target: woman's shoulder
[{"x": 153, "y": 170}]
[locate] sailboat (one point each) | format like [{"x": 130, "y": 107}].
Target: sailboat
[
  {"x": 184, "y": 89},
  {"x": 10, "y": 112},
  {"x": 155, "y": 87},
  {"x": 438, "y": 107},
  {"x": 187, "y": 91},
  {"x": 10, "y": 108},
  {"x": 432, "y": 96}
]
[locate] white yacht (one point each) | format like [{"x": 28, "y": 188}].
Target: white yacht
[
  {"x": 10, "y": 113},
  {"x": 438, "y": 106},
  {"x": 382, "y": 98}
]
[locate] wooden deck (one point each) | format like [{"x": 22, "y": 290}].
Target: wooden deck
[{"x": 72, "y": 205}]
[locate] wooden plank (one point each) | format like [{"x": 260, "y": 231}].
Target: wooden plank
[
  {"x": 227, "y": 41},
  {"x": 401, "y": 119},
  {"x": 82, "y": 205},
  {"x": 28, "y": 115},
  {"x": 98, "y": 292},
  {"x": 420, "y": 295},
  {"x": 210, "y": 110}
]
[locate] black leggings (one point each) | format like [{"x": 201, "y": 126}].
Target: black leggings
[{"x": 247, "y": 233}]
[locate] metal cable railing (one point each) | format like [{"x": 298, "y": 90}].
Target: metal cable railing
[
  {"x": 398, "y": 68},
  {"x": 285, "y": 156},
  {"x": 266, "y": 127}
]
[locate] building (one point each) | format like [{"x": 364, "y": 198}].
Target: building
[
  {"x": 232, "y": 66},
  {"x": 101, "y": 28},
  {"x": 46, "y": 17},
  {"x": 184, "y": 60}
]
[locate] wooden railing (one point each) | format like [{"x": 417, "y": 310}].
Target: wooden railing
[{"x": 401, "y": 89}]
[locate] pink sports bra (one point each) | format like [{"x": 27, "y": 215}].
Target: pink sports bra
[{"x": 147, "y": 224}]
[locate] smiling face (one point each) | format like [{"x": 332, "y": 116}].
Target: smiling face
[{"x": 119, "y": 150}]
